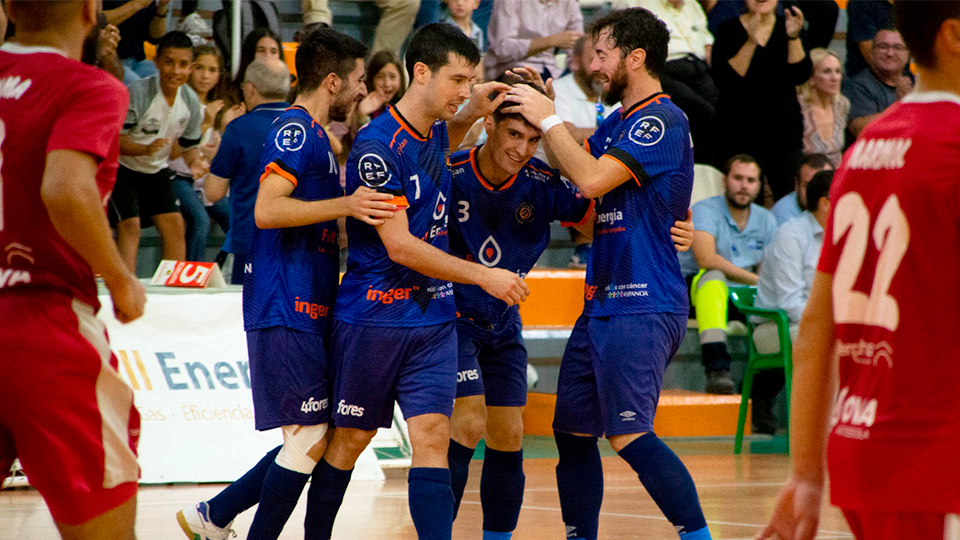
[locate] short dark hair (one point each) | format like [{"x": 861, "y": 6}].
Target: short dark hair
[
  {"x": 324, "y": 51},
  {"x": 636, "y": 28},
  {"x": 819, "y": 188},
  {"x": 814, "y": 161},
  {"x": 433, "y": 44},
  {"x": 174, "y": 40},
  {"x": 920, "y": 22},
  {"x": 741, "y": 158},
  {"x": 498, "y": 115}
]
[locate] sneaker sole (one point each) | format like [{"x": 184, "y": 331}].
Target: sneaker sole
[{"x": 186, "y": 527}]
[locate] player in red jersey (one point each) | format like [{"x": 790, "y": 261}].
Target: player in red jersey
[
  {"x": 876, "y": 314},
  {"x": 64, "y": 411}
]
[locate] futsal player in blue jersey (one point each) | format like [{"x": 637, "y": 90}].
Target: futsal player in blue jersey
[
  {"x": 504, "y": 200},
  {"x": 290, "y": 285},
  {"x": 639, "y": 167},
  {"x": 394, "y": 332}
]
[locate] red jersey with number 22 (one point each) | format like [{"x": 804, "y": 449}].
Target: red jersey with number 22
[
  {"x": 49, "y": 102},
  {"x": 892, "y": 244}
]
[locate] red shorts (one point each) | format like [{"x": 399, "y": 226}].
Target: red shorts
[
  {"x": 64, "y": 410},
  {"x": 903, "y": 525}
]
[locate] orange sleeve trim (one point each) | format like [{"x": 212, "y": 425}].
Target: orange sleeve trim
[
  {"x": 624, "y": 165},
  {"x": 400, "y": 201},
  {"x": 586, "y": 145},
  {"x": 587, "y": 216},
  {"x": 273, "y": 168}
]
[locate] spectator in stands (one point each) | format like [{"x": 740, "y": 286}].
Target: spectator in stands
[
  {"x": 824, "y": 108},
  {"x": 461, "y": 16},
  {"x": 728, "y": 242},
  {"x": 530, "y": 32},
  {"x": 873, "y": 90},
  {"x": 259, "y": 44},
  {"x": 579, "y": 105},
  {"x": 758, "y": 61},
  {"x": 386, "y": 81},
  {"x": 102, "y": 52},
  {"x": 206, "y": 81},
  {"x": 686, "y": 77},
  {"x": 138, "y": 21},
  {"x": 786, "y": 277},
  {"x": 396, "y": 21},
  {"x": 820, "y": 15},
  {"x": 162, "y": 109},
  {"x": 237, "y": 164},
  {"x": 864, "y": 19},
  {"x": 795, "y": 202}
]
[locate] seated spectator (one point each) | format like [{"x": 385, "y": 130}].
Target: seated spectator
[
  {"x": 162, "y": 110},
  {"x": 461, "y": 16},
  {"x": 794, "y": 203},
  {"x": 530, "y": 32},
  {"x": 824, "y": 108},
  {"x": 386, "y": 81},
  {"x": 237, "y": 164},
  {"x": 259, "y": 44},
  {"x": 821, "y": 17},
  {"x": 758, "y": 61},
  {"x": 874, "y": 89},
  {"x": 786, "y": 276},
  {"x": 686, "y": 76},
  {"x": 207, "y": 81},
  {"x": 728, "y": 242},
  {"x": 396, "y": 21},
  {"x": 864, "y": 19},
  {"x": 138, "y": 21},
  {"x": 579, "y": 105}
]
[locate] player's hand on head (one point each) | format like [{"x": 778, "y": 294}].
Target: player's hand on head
[
  {"x": 370, "y": 206},
  {"x": 533, "y": 105},
  {"x": 797, "y": 512},
  {"x": 532, "y": 76},
  {"x": 505, "y": 285},
  {"x": 128, "y": 296},
  {"x": 485, "y": 98},
  {"x": 682, "y": 233}
]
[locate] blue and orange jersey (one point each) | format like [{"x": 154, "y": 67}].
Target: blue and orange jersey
[
  {"x": 291, "y": 273},
  {"x": 391, "y": 156},
  {"x": 506, "y": 226},
  {"x": 634, "y": 266}
]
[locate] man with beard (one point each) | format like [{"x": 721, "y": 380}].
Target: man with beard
[
  {"x": 64, "y": 410},
  {"x": 291, "y": 280},
  {"x": 731, "y": 234},
  {"x": 639, "y": 167}
]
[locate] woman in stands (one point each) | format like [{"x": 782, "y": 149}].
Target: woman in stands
[
  {"x": 260, "y": 43},
  {"x": 207, "y": 81},
  {"x": 824, "y": 108}
]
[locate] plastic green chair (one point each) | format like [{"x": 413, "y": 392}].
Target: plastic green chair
[{"x": 742, "y": 297}]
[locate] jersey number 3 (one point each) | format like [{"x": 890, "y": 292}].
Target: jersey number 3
[{"x": 891, "y": 236}]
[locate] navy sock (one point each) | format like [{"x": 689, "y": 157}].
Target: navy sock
[
  {"x": 458, "y": 456},
  {"x": 501, "y": 489},
  {"x": 242, "y": 494},
  {"x": 667, "y": 481},
  {"x": 431, "y": 502},
  {"x": 324, "y": 499},
  {"x": 281, "y": 491},
  {"x": 580, "y": 484}
]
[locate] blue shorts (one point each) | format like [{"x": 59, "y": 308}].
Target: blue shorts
[
  {"x": 289, "y": 376},
  {"x": 376, "y": 366},
  {"x": 612, "y": 370},
  {"x": 492, "y": 362}
]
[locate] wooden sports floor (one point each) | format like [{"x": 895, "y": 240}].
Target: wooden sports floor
[{"x": 737, "y": 494}]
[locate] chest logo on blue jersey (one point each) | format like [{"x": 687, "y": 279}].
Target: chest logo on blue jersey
[
  {"x": 525, "y": 213},
  {"x": 290, "y": 137},
  {"x": 490, "y": 253},
  {"x": 373, "y": 170},
  {"x": 441, "y": 207},
  {"x": 647, "y": 131}
]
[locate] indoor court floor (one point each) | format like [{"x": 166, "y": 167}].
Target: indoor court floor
[{"x": 737, "y": 494}]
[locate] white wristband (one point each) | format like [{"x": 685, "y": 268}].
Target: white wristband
[{"x": 547, "y": 123}]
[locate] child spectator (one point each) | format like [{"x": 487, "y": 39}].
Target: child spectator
[
  {"x": 461, "y": 16},
  {"x": 163, "y": 109},
  {"x": 207, "y": 81}
]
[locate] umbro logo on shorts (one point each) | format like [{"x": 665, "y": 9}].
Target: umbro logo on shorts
[{"x": 628, "y": 416}]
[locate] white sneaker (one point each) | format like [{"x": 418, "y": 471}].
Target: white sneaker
[{"x": 196, "y": 524}]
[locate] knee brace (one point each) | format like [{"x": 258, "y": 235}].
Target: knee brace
[
  {"x": 709, "y": 292},
  {"x": 297, "y": 442}
]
